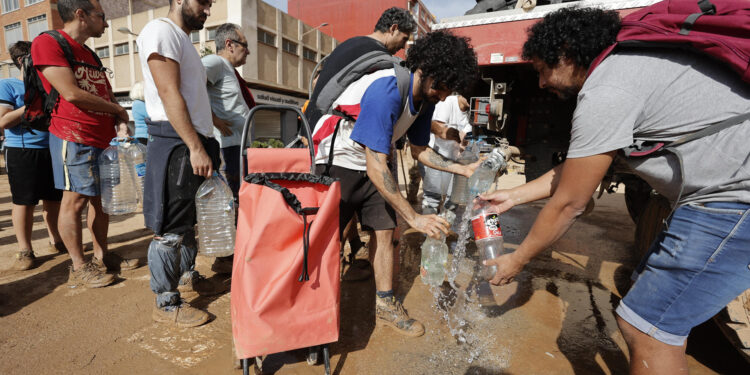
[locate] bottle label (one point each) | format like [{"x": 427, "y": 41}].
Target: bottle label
[
  {"x": 486, "y": 226},
  {"x": 140, "y": 169}
]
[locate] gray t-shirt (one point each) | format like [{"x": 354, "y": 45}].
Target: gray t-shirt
[
  {"x": 663, "y": 95},
  {"x": 225, "y": 93}
]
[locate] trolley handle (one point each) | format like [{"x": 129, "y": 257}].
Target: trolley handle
[{"x": 278, "y": 108}]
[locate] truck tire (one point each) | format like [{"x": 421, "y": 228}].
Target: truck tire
[
  {"x": 734, "y": 322},
  {"x": 637, "y": 195},
  {"x": 650, "y": 221}
]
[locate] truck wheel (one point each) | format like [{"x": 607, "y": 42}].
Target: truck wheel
[
  {"x": 650, "y": 222},
  {"x": 734, "y": 322}
]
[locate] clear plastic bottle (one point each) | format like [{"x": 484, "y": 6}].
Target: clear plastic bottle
[
  {"x": 214, "y": 204},
  {"x": 458, "y": 192},
  {"x": 137, "y": 153},
  {"x": 117, "y": 181},
  {"x": 435, "y": 256},
  {"x": 484, "y": 176},
  {"x": 488, "y": 236}
]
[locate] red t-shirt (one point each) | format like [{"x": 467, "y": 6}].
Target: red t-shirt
[{"x": 69, "y": 122}]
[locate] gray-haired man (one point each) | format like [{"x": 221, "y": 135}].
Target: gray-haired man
[{"x": 230, "y": 109}]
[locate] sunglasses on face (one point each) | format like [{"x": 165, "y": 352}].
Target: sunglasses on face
[{"x": 238, "y": 42}]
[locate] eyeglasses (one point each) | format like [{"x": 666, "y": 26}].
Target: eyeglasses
[{"x": 238, "y": 42}]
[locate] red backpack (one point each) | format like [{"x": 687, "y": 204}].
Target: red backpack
[{"x": 717, "y": 28}]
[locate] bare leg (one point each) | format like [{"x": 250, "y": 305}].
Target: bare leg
[
  {"x": 23, "y": 220},
  {"x": 651, "y": 356},
  {"x": 51, "y": 213},
  {"x": 381, "y": 256},
  {"x": 69, "y": 225},
  {"x": 98, "y": 223}
]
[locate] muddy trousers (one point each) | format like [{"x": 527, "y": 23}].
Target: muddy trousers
[{"x": 171, "y": 260}]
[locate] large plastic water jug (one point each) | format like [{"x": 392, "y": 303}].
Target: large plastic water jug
[
  {"x": 214, "y": 204},
  {"x": 137, "y": 153},
  {"x": 117, "y": 180}
]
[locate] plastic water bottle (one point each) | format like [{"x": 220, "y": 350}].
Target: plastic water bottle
[
  {"x": 214, "y": 204},
  {"x": 137, "y": 154},
  {"x": 117, "y": 181},
  {"x": 435, "y": 256},
  {"x": 484, "y": 176},
  {"x": 488, "y": 236},
  {"x": 458, "y": 192}
]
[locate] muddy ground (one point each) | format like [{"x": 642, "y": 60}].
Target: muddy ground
[{"x": 557, "y": 318}]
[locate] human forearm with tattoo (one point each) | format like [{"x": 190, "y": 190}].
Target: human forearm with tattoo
[
  {"x": 432, "y": 159},
  {"x": 381, "y": 177}
]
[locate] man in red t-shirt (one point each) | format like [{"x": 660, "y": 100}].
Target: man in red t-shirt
[{"x": 81, "y": 127}]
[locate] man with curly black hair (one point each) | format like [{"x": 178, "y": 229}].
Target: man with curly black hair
[
  {"x": 373, "y": 118},
  {"x": 699, "y": 262}
]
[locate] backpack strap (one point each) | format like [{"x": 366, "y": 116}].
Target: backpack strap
[{"x": 68, "y": 52}]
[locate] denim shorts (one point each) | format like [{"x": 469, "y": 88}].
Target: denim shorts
[
  {"x": 693, "y": 269},
  {"x": 75, "y": 166}
]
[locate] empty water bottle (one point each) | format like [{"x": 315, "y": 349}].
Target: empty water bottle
[
  {"x": 137, "y": 153},
  {"x": 484, "y": 175},
  {"x": 214, "y": 204},
  {"x": 435, "y": 256},
  {"x": 458, "y": 191},
  {"x": 488, "y": 236},
  {"x": 117, "y": 181}
]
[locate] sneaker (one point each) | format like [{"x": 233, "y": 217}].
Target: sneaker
[
  {"x": 182, "y": 315},
  {"x": 114, "y": 262},
  {"x": 390, "y": 312},
  {"x": 58, "y": 247},
  {"x": 24, "y": 260},
  {"x": 89, "y": 276},
  {"x": 223, "y": 265},
  {"x": 199, "y": 285}
]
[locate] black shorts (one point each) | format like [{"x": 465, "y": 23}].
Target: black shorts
[
  {"x": 30, "y": 176},
  {"x": 359, "y": 195}
]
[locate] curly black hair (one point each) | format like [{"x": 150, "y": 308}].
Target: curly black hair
[
  {"x": 578, "y": 34},
  {"x": 447, "y": 58}
]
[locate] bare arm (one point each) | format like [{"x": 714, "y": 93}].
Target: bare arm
[
  {"x": 63, "y": 80},
  {"x": 432, "y": 159},
  {"x": 166, "y": 73},
  {"x": 381, "y": 177},
  {"x": 440, "y": 129},
  {"x": 578, "y": 179},
  {"x": 10, "y": 118},
  {"x": 225, "y": 128},
  {"x": 122, "y": 125}
]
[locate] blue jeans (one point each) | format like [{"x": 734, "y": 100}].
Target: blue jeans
[
  {"x": 693, "y": 269},
  {"x": 171, "y": 259},
  {"x": 75, "y": 166},
  {"x": 231, "y": 156}
]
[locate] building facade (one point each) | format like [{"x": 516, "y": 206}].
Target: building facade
[
  {"x": 23, "y": 20},
  {"x": 349, "y": 18}
]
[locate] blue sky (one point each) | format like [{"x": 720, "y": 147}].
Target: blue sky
[{"x": 440, "y": 8}]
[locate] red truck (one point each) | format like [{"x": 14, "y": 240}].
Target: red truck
[{"x": 512, "y": 105}]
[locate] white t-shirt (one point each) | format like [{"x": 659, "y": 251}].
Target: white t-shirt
[
  {"x": 449, "y": 113},
  {"x": 163, "y": 37}
]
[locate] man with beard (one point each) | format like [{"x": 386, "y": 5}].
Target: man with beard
[
  {"x": 440, "y": 63},
  {"x": 81, "y": 126},
  {"x": 181, "y": 154},
  {"x": 699, "y": 261}
]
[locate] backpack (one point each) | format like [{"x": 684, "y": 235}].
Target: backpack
[
  {"x": 40, "y": 104},
  {"x": 719, "y": 29},
  {"x": 366, "y": 64}
]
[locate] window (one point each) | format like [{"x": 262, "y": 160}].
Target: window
[
  {"x": 289, "y": 46},
  {"x": 195, "y": 37},
  {"x": 309, "y": 54},
  {"x": 266, "y": 38},
  {"x": 135, "y": 47},
  {"x": 102, "y": 52},
  {"x": 211, "y": 33},
  {"x": 36, "y": 25},
  {"x": 10, "y": 5},
  {"x": 13, "y": 33},
  {"x": 122, "y": 49},
  {"x": 32, "y": 2}
]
